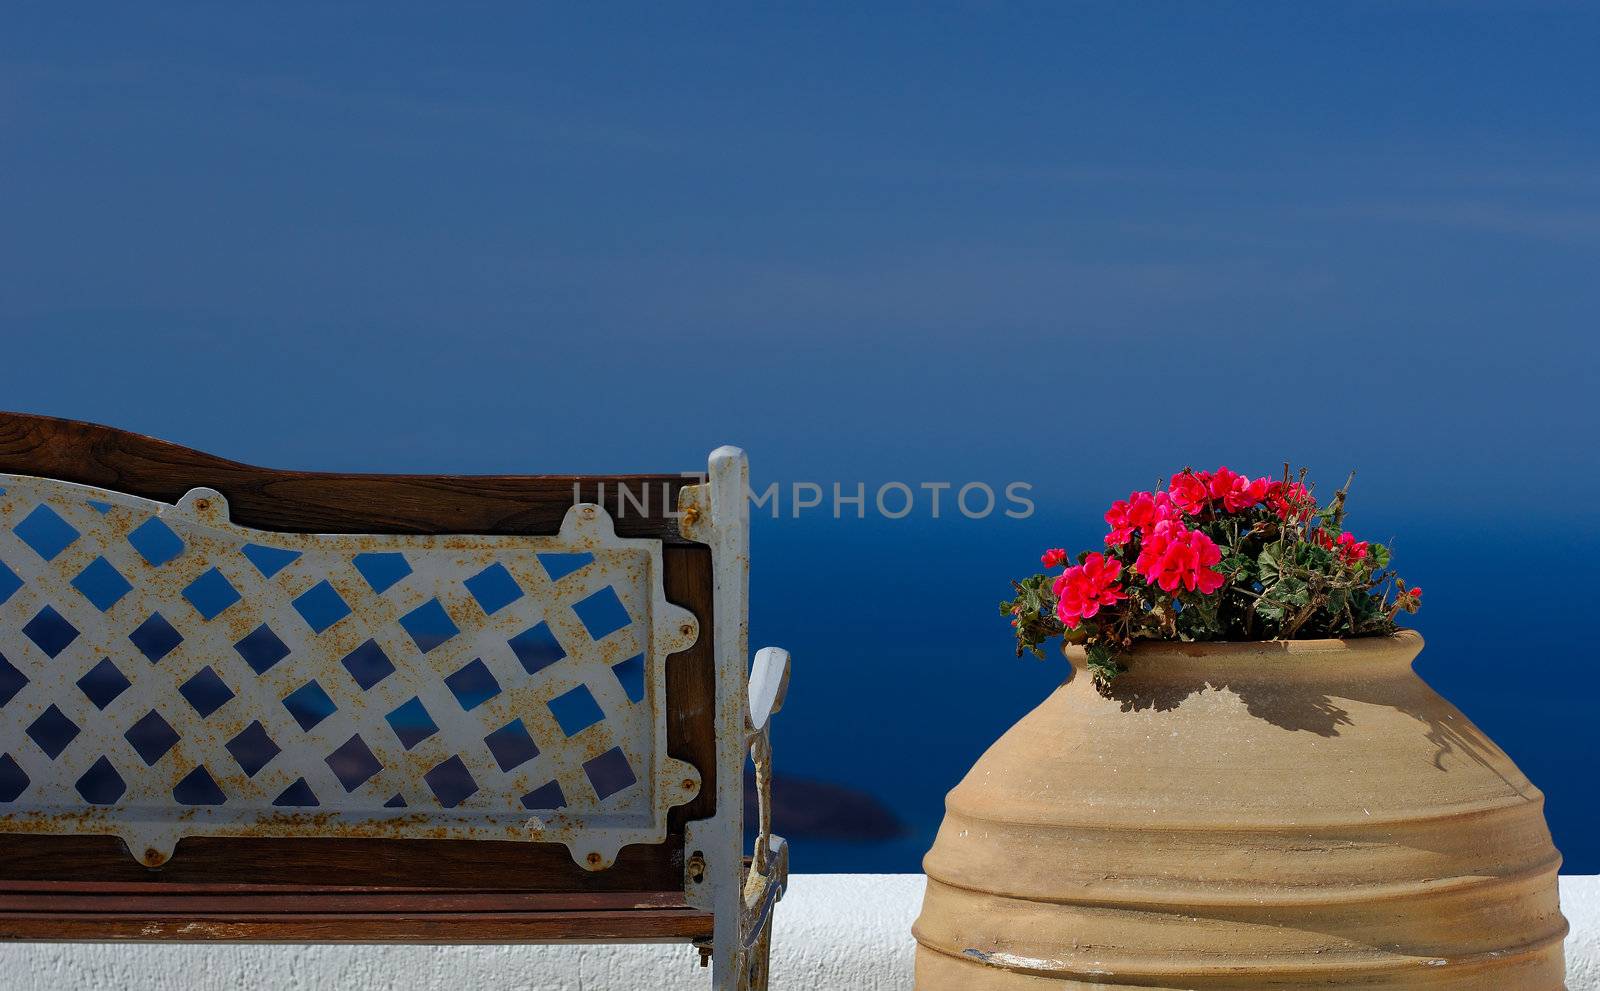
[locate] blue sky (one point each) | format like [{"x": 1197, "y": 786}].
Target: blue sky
[
  {"x": 1077, "y": 245},
  {"x": 899, "y": 242}
]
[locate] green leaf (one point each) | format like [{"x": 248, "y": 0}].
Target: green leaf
[
  {"x": 1336, "y": 600},
  {"x": 1102, "y": 662},
  {"x": 1292, "y": 591},
  {"x": 1234, "y": 566},
  {"x": 1269, "y": 610}
]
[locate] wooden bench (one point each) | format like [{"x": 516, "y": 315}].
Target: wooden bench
[{"x": 274, "y": 706}]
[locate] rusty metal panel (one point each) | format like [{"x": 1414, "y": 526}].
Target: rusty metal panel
[{"x": 167, "y": 673}]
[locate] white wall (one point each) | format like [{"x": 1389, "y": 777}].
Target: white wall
[{"x": 849, "y": 932}]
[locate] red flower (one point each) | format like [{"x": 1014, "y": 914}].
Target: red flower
[
  {"x": 1194, "y": 491},
  {"x": 1291, "y": 501},
  {"x": 1175, "y": 555},
  {"x": 1082, "y": 589},
  {"x": 1416, "y": 593},
  {"x": 1054, "y": 557},
  {"x": 1350, "y": 549},
  {"x": 1137, "y": 513},
  {"x": 1191, "y": 491},
  {"x": 1236, "y": 492}
]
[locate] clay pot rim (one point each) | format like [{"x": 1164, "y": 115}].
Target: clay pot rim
[{"x": 1401, "y": 647}]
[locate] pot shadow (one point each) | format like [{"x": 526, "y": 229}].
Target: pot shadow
[
  {"x": 1297, "y": 711},
  {"x": 1323, "y": 715}
]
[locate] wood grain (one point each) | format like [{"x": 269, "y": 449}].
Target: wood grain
[
  {"x": 650, "y": 925},
  {"x": 397, "y": 863},
  {"x": 692, "y": 682},
  {"x": 326, "y": 502}
]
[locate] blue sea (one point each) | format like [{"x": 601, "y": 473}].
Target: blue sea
[{"x": 904, "y": 670}]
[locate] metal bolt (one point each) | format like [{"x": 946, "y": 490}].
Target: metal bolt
[{"x": 696, "y": 867}]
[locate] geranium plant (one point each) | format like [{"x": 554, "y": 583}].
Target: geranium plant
[{"x": 1214, "y": 555}]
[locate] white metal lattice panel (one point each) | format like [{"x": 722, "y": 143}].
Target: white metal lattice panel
[{"x": 168, "y": 673}]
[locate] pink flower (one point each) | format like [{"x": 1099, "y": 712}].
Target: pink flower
[
  {"x": 1236, "y": 492},
  {"x": 1350, "y": 549},
  {"x": 1175, "y": 555},
  {"x": 1054, "y": 557},
  {"x": 1291, "y": 501},
  {"x": 1137, "y": 513},
  {"x": 1082, "y": 589},
  {"x": 1191, "y": 491}
]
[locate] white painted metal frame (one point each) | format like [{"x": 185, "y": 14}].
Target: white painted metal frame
[{"x": 718, "y": 514}]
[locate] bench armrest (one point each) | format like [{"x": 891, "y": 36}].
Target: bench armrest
[{"x": 768, "y": 875}]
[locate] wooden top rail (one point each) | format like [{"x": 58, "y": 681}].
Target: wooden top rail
[{"x": 332, "y": 502}]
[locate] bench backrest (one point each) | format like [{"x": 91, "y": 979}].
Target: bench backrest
[{"x": 381, "y": 695}]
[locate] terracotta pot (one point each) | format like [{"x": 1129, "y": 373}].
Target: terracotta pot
[{"x": 1267, "y": 815}]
